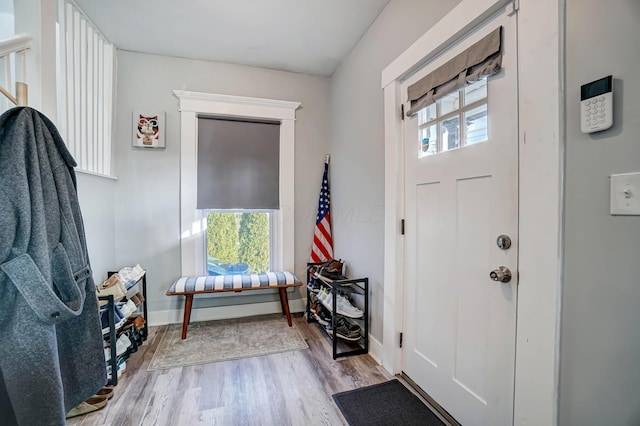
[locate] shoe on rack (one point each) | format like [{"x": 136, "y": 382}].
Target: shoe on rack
[
  {"x": 133, "y": 339},
  {"x": 138, "y": 322},
  {"x": 328, "y": 328},
  {"x": 136, "y": 336},
  {"x": 313, "y": 285},
  {"x": 332, "y": 269},
  {"x": 124, "y": 309},
  {"x": 327, "y": 300},
  {"x": 332, "y": 275},
  {"x": 332, "y": 265},
  {"x": 322, "y": 317},
  {"x": 352, "y": 326},
  {"x": 344, "y": 307},
  {"x": 137, "y": 299},
  {"x": 132, "y": 306},
  {"x": 122, "y": 344},
  {"x": 322, "y": 295},
  {"x": 347, "y": 331},
  {"x": 131, "y": 275},
  {"x": 111, "y": 286},
  {"x": 118, "y": 319},
  {"x": 120, "y": 314},
  {"x": 122, "y": 368}
]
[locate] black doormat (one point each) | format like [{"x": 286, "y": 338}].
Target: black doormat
[{"x": 388, "y": 403}]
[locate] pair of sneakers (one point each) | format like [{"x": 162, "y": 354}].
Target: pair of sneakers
[
  {"x": 127, "y": 308},
  {"x": 314, "y": 285},
  {"x": 343, "y": 306},
  {"x": 320, "y": 314},
  {"x": 119, "y": 318},
  {"x": 346, "y": 330},
  {"x": 332, "y": 269},
  {"x": 122, "y": 344},
  {"x": 121, "y": 369},
  {"x": 130, "y": 276}
]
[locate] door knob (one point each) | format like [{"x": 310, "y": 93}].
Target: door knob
[{"x": 502, "y": 274}]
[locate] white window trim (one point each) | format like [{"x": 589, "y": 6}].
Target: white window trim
[{"x": 192, "y": 222}]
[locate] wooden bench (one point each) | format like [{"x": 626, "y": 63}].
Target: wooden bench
[{"x": 190, "y": 286}]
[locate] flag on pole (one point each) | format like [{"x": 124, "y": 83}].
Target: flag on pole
[{"x": 322, "y": 248}]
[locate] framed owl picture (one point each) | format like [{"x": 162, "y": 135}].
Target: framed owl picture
[{"x": 148, "y": 128}]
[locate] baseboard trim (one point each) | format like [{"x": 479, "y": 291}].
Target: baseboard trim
[
  {"x": 174, "y": 316},
  {"x": 375, "y": 349}
]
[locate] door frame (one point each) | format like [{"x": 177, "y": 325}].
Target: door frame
[{"x": 541, "y": 170}]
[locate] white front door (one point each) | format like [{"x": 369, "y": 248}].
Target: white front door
[{"x": 459, "y": 324}]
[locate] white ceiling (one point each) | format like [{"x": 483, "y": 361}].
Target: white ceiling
[{"x": 305, "y": 36}]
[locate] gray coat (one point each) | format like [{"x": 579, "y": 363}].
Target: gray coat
[{"x": 51, "y": 348}]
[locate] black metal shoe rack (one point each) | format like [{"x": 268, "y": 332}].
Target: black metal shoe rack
[
  {"x": 111, "y": 303},
  {"x": 358, "y": 287}
]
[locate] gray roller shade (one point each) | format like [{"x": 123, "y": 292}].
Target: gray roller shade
[
  {"x": 480, "y": 60},
  {"x": 238, "y": 164}
]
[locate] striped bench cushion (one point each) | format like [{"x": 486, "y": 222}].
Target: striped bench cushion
[{"x": 211, "y": 284}]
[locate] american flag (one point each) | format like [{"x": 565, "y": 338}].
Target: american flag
[{"x": 322, "y": 248}]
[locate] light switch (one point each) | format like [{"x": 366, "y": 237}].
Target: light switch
[{"x": 625, "y": 194}]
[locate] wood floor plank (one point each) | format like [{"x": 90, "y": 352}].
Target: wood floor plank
[
  {"x": 164, "y": 400},
  {"x": 290, "y": 388}
]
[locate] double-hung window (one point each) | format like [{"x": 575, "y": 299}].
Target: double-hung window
[
  {"x": 236, "y": 184},
  {"x": 238, "y": 190}
]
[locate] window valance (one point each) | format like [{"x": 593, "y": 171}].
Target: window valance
[{"x": 482, "y": 59}]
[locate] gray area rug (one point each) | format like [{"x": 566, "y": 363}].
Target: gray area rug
[
  {"x": 385, "y": 404},
  {"x": 223, "y": 340}
]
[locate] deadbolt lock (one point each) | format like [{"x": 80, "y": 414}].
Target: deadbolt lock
[
  {"x": 503, "y": 241},
  {"x": 502, "y": 274}
]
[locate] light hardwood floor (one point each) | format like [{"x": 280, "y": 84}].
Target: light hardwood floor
[{"x": 291, "y": 388}]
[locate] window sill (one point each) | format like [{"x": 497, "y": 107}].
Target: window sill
[{"x": 100, "y": 175}]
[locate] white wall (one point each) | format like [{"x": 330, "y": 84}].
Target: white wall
[
  {"x": 7, "y": 20},
  {"x": 357, "y": 141},
  {"x": 600, "y": 349},
  {"x": 147, "y": 193},
  {"x": 97, "y": 203}
]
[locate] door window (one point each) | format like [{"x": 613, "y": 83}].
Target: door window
[{"x": 457, "y": 120}]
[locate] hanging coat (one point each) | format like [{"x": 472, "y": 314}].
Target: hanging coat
[{"x": 51, "y": 347}]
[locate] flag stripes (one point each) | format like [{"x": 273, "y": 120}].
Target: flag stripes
[{"x": 322, "y": 248}]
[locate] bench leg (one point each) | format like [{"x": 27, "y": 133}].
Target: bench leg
[
  {"x": 282, "y": 302},
  {"x": 285, "y": 304},
  {"x": 188, "y": 300}
]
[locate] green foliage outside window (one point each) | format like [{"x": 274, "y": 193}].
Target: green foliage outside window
[
  {"x": 222, "y": 236},
  {"x": 254, "y": 242}
]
